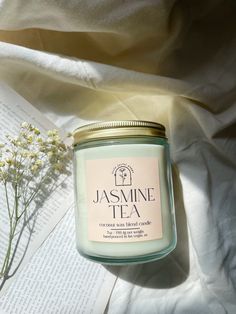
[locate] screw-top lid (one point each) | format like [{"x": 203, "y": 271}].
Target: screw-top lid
[{"x": 118, "y": 129}]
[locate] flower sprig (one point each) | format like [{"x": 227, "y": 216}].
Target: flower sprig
[{"x": 28, "y": 163}]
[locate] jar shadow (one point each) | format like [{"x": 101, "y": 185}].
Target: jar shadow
[{"x": 172, "y": 270}]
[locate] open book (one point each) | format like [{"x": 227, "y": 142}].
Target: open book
[{"x": 51, "y": 277}]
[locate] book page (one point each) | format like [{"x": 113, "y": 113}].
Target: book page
[
  {"x": 13, "y": 111},
  {"x": 58, "y": 279}
]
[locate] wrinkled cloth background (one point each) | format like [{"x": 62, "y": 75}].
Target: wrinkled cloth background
[{"x": 168, "y": 61}]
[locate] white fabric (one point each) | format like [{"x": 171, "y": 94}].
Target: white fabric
[{"x": 167, "y": 61}]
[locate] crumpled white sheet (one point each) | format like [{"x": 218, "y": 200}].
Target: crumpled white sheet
[{"x": 167, "y": 61}]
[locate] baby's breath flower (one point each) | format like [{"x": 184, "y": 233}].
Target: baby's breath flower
[
  {"x": 30, "y": 139},
  {"x": 62, "y": 146},
  {"x": 38, "y": 163},
  {"x": 42, "y": 149},
  {"x": 10, "y": 161},
  {"x": 19, "y": 143},
  {"x": 34, "y": 168},
  {"x": 52, "y": 132},
  {"x": 50, "y": 154},
  {"x": 39, "y": 140},
  {"x": 13, "y": 141},
  {"x": 36, "y": 131},
  {"x": 33, "y": 155},
  {"x": 49, "y": 140},
  {"x": 23, "y": 134},
  {"x": 58, "y": 166},
  {"x": 24, "y": 154},
  {"x": 24, "y": 125},
  {"x": 31, "y": 127}
]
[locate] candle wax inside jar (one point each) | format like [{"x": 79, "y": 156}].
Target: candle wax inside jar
[{"x": 120, "y": 238}]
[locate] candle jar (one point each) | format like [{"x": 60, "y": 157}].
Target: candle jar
[{"x": 123, "y": 188}]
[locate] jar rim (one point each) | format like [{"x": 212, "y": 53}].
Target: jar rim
[{"x": 118, "y": 129}]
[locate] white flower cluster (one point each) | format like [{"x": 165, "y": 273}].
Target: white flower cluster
[{"x": 28, "y": 153}]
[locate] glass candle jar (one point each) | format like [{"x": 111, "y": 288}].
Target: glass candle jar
[{"x": 123, "y": 188}]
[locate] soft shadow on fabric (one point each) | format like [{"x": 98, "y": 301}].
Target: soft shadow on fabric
[{"x": 173, "y": 269}]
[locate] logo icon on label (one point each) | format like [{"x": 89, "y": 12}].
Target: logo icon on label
[{"x": 123, "y": 175}]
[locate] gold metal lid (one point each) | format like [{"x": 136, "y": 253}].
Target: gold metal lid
[{"x": 118, "y": 129}]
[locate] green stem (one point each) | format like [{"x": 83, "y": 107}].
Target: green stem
[
  {"x": 7, "y": 199},
  {"x": 32, "y": 196},
  {"x": 16, "y": 202},
  {"x": 12, "y": 227},
  {"x": 6, "y": 261}
]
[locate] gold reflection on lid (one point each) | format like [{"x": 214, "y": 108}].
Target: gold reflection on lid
[{"x": 118, "y": 129}]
